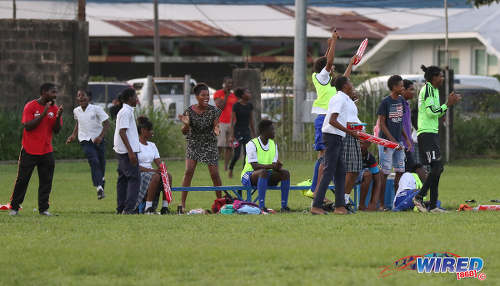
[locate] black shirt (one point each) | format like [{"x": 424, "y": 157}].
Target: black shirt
[
  {"x": 369, "y": 161},
  {"x": 243, "y": 113},
  {"x": 392, "y": 109}
]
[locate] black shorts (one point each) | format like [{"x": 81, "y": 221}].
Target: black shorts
[
  {"x": 410, "y": 162},
  {"x": 428, "y": 145}
]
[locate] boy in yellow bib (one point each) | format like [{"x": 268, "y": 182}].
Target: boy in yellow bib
[{"x": 262, "y": 167}]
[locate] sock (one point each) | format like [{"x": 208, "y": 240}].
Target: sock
[
  {"x": 148, "y": 205},
  {"x": 315, "y": 175},
  {"x": 285, "y": 188},
  {"x": 262, "y": 187},
  {"x": 100, "y": 188},
  {"x": 165, "y": 204},
  {"x": 346, "y": 197}
]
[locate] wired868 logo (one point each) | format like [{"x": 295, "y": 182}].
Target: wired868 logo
[
  {"x": 463, "y": 267},
  {"x": 438, "y": 262}
]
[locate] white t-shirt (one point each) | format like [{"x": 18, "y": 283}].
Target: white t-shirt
[
  {"x": 147, "y": 154},
  {"x": 252, "y": 151},
  {"x": 342, "y": 104},
  {"x": 323, "y": 78},
  {"x": 89, "y": 121},
  {"x": 126, "y": 119},
  {"x": 407, "y": 182}
]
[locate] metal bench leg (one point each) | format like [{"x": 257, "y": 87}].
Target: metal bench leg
[
  {"x": 238, "y": 195},
  {"x": 249, "y": 195},
  {"x": 357, "y": 189}
]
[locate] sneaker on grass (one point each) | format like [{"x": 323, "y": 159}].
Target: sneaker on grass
[
  {"x": 100, "y": 193},
  {"x": 13, "y": 213},
  {"x": 164, "y": 211},
  {"x": 419, "y": 204},
  {"x": 150, "y": 211},
  {"x": 45, "y": 213},
  {"x": 285, "y": 210}
]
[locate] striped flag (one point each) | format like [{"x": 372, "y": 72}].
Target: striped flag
[
  {"x": 166, "y": 183},
  {"x": 361, "y": 51},
  {"x": 370, "y": 138},
  {"x": 7, "y": 207}
]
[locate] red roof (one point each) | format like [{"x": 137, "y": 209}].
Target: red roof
[
  {"x": 349, "y": 25},
  {"x": 169, "y": 28}
]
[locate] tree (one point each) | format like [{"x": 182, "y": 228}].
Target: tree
[{"x": 478, "y": 3}]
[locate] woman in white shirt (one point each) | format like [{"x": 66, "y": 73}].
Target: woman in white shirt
[{"x": 151, "y": 183}]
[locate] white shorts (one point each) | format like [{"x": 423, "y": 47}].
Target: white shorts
[{"x": 223, "y": 138}]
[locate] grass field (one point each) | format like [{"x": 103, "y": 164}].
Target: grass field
[{"x": 87, "y": 244}]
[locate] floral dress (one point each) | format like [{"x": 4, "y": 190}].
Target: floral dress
[{"x": 201, "y": 139}]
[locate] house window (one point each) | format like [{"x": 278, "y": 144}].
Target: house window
[
  {"x": 454, "y": 60},
  {"x": 480, "y": 64},
  {"x": 492, "y": 64},
  {"x": 484, "y": 64}
]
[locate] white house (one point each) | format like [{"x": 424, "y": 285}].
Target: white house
[{"x": 474, "y": 45}]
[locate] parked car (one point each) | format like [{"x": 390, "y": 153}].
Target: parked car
[
  {"x": 171, "y": 91},
  {"x": 271, "y": 101},
  {"x": 477, "y": 99},
  {"x": 103, "y": 93}
]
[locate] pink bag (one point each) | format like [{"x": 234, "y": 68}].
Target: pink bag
[{"x": 238, "y": 204}]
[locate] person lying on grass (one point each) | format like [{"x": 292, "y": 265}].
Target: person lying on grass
[
  {"x": 262, "y": 167},
  {"x": 409, "y": 186},
  {"x": 151, "y": 184}
]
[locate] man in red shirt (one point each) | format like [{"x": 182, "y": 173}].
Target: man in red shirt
[
  {"x": 41, "y": 118},
  {"x": 225, "y": 99}
]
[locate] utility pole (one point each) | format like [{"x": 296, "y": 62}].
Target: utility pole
[
  {"x": 447, "y": 82},
  {"x": 299, "y": 67},
  {"x": 81, "y": 10},
  {"x": 14, "y": 9},
  {"x": 157, "y": 42}
]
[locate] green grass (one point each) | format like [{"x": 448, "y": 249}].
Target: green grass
[{"x": 88, "y": 245}]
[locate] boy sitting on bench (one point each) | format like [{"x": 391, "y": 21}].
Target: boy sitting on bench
[{"x": 262, "y": 167}]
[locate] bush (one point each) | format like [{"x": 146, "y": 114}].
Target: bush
[
  {"x": 477, "y": 136},
  {"x": 167, "y": 134}
]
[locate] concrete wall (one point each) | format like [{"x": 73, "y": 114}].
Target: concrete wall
[{"x": 36, "y": 51}]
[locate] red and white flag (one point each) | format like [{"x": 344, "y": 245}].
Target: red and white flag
[
  {"x": 166, "y": 184},
  {"x": 368, "y": 137},
  {"x": 361, "y": 51},
  {"x": 379, "y": 141},
  {"x": 7, "y": 207}
]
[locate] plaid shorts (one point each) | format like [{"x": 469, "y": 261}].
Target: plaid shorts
[
  {"x": 143, "y": 190},
  {"x": 353, "y": 159}
]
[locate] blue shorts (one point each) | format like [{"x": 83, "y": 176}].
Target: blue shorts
[
  {"x": 372, "y": 170},
  {"x": 245, "y": 180},
  {"x": 403, "y": 200},
  {"x": 391, "y": 158},
  {"x": 318, "y": 134}
]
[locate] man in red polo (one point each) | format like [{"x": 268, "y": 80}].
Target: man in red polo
[
  {"x": 225, "y": 99},
  {"x": 41, "y": 118}
]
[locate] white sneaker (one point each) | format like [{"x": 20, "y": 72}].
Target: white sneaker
[
  {"x": 100, "y": 193},
  {"x": 438, "y": 210},
  {"x": 13, "y": 213},
  {"x": 45, "y": 213}
]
